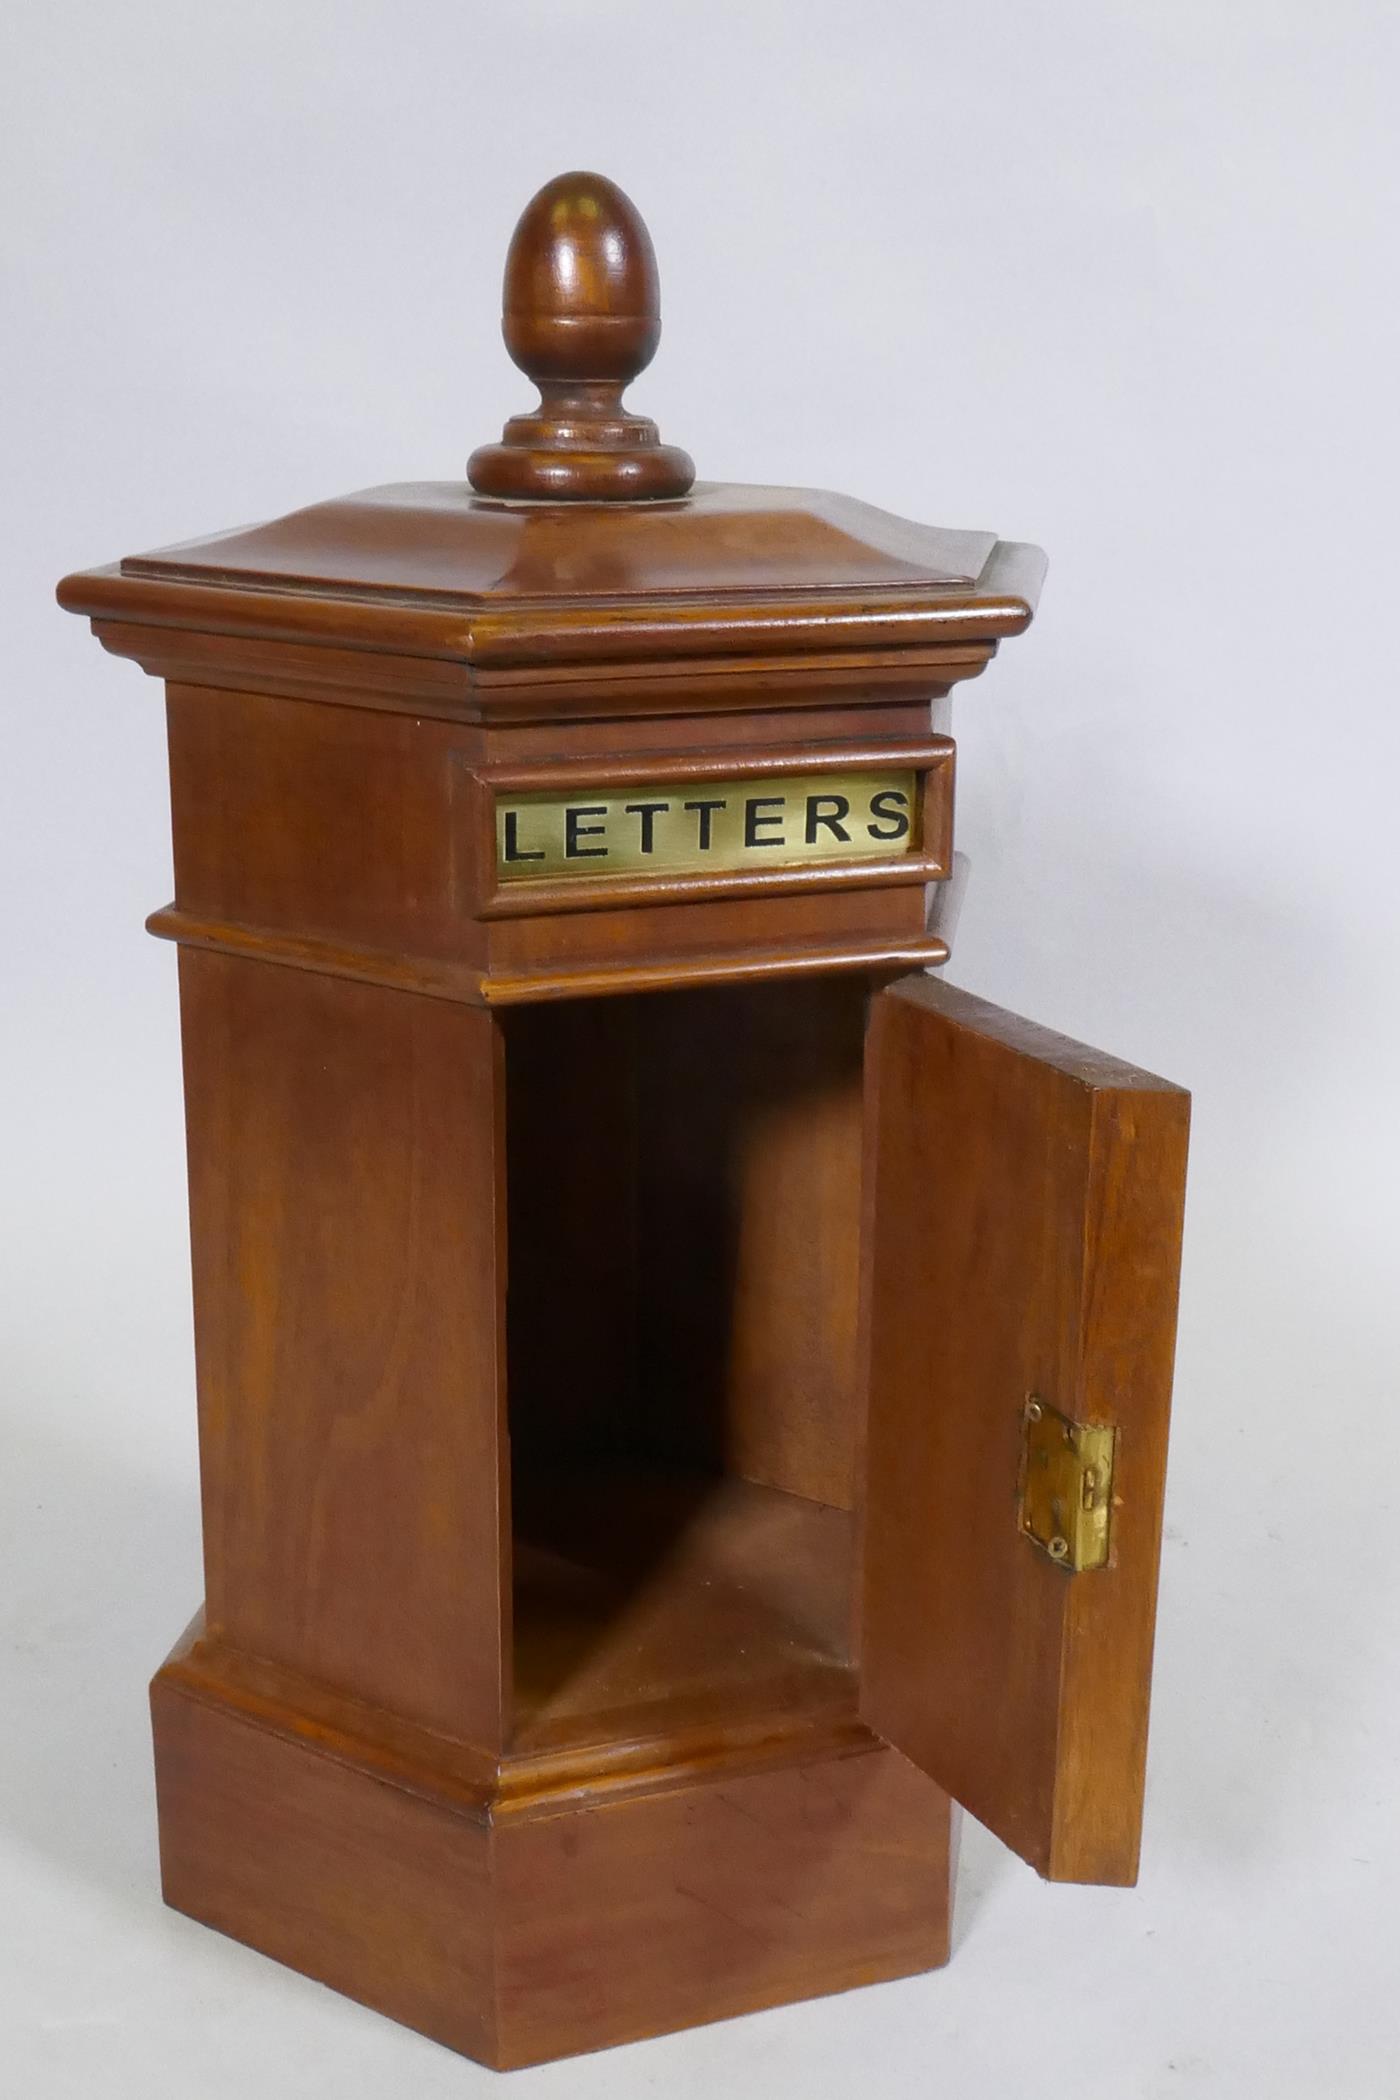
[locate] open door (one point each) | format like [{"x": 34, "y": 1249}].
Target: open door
[{"x": 1023, "y": 1233}]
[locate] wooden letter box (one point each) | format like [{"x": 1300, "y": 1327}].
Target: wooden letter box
[{"x": 682, "y": 1392}]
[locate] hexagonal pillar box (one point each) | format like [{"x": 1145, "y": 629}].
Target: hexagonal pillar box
[{"x": 682, "y": 1392}]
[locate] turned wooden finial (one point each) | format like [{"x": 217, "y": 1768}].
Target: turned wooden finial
[{"x": 582, "y": 317}]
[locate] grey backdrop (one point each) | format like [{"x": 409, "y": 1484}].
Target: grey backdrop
[{"x": 1118, "y": 278}]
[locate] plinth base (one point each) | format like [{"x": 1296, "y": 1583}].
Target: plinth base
[{"x": 537, "y": 1908}]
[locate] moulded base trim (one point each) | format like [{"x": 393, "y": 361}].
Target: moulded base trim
[{"x": 521, "y": 1930}]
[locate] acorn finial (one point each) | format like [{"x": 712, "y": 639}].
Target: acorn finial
[{"x": 582, "y": 317}]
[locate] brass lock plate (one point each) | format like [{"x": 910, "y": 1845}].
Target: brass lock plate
[{"x": 1066, "y": 1486}]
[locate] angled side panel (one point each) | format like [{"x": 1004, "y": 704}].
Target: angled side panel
[{"x": 347, "y": 1224}]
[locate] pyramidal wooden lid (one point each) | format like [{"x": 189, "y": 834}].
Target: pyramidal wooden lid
[{"x": 579, "y": 534}]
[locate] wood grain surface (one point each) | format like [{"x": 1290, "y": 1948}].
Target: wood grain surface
[
  {"x": 528, "y": 1234},
  {"x": 346, "y": 1206},
  {"x": 517, "y": 1927},
  {"x": 1024, "y": 1239}
]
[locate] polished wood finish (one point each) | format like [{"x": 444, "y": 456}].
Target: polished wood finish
[
  {"x": 531, "y": 987},
  {"x": 346, "y": 1173},
  {"x": 685, "y": 1195},
  {"x": 523, "y": 698},
  {"x": 557, "y": 1249},
  {"x": 582, "y": 317},
  {"x": 723, "y": 577},
  {"x": 809, "y": 1876},
  {"x": 277, "y": 1838},
  {"x": 361, "y": 843},
  {"x": 649, "y": 1598},
  {"x": 518, "y": 1924},
  {"x": 1025, "y": 1235},
  {"x": 748, "y": 1276},
  {"x": 306, "y": 820}
]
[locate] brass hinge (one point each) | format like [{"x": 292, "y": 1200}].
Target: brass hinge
[{"x": 1066, "y": 1486}]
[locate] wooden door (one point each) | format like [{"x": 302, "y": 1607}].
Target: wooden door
[{"x": 1022, "y": 1240}]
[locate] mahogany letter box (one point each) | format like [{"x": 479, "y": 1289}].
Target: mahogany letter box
[{"x": 682, "y": 1392}]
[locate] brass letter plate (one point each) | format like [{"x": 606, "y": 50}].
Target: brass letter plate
[
  {"x": 706, "y": 826},
  {"x": 1066, "y": 1486}
]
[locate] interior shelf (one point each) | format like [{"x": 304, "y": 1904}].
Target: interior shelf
[{"x": 650, "y": 1599}]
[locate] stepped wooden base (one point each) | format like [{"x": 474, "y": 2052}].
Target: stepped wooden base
[{"x": 531, "y": 1912}]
